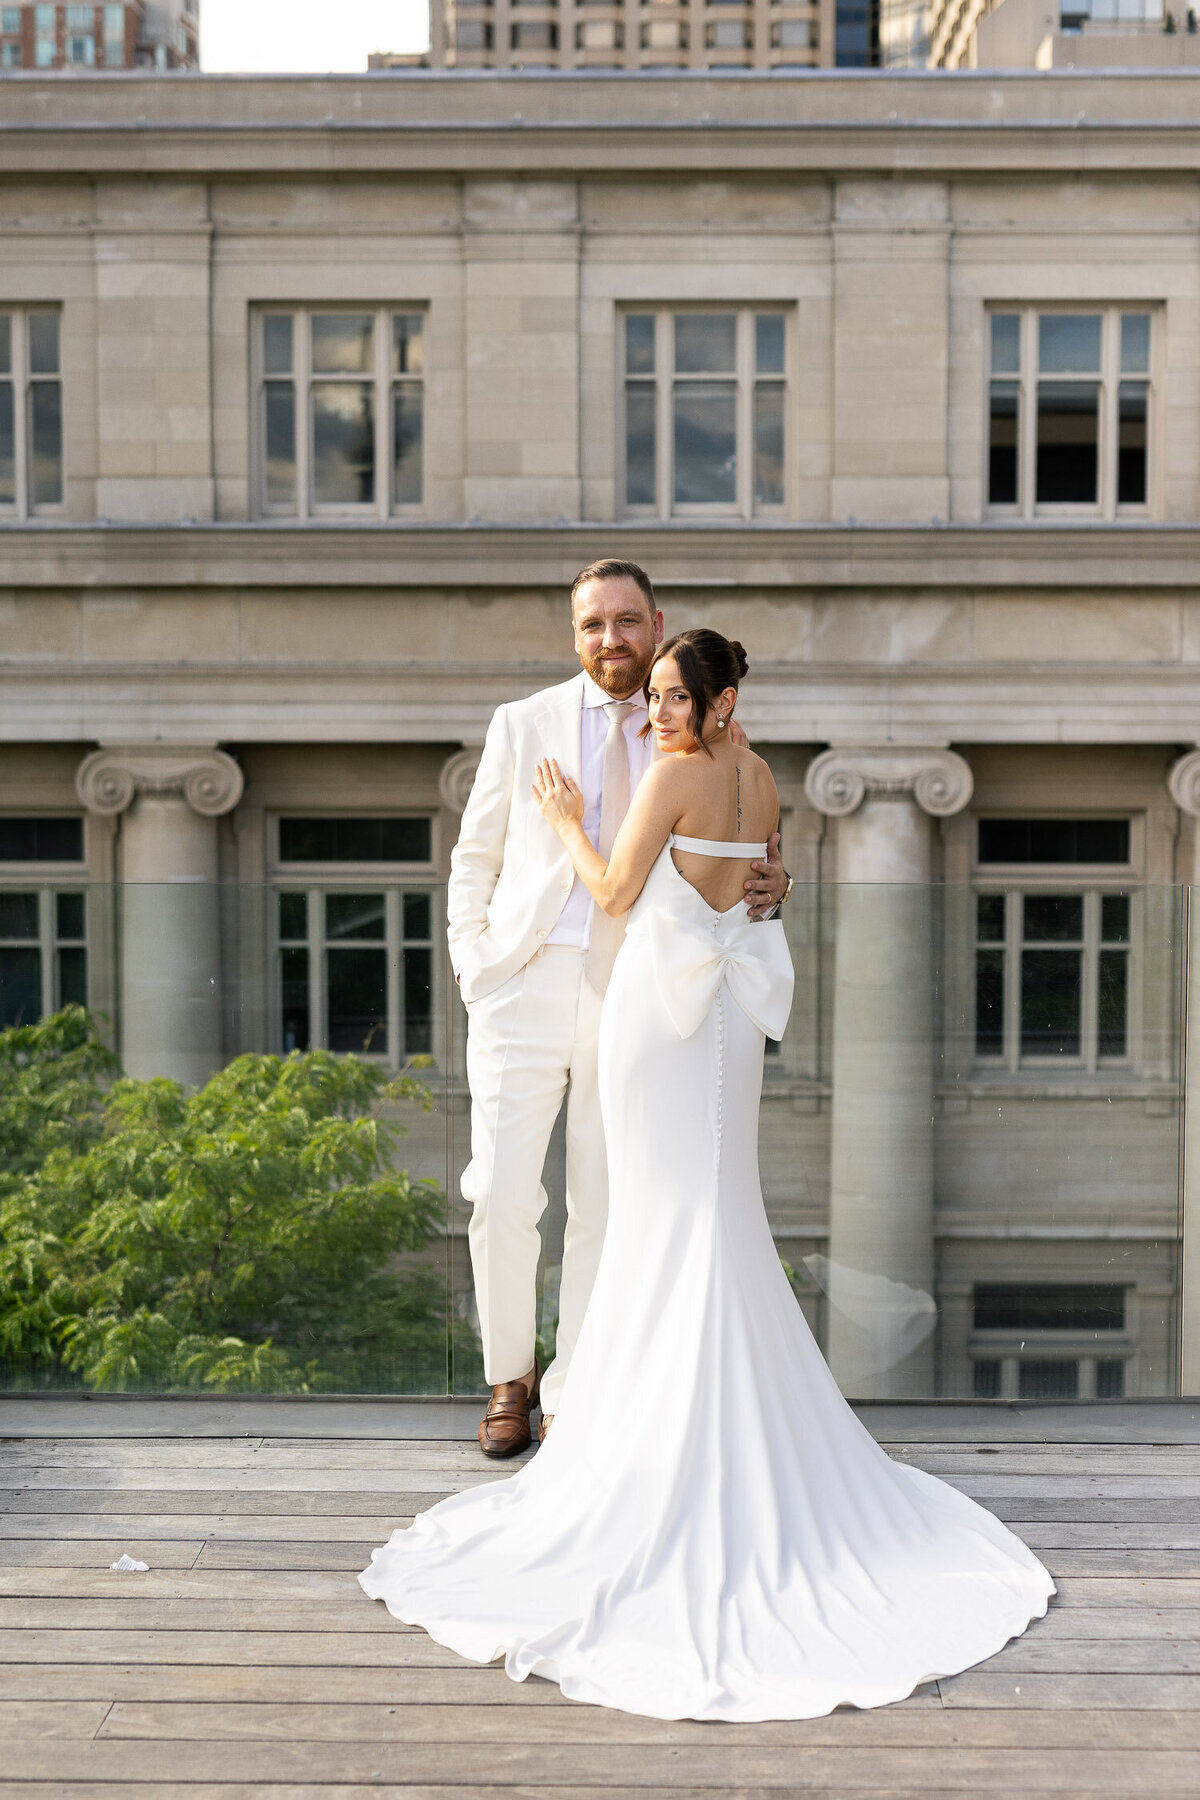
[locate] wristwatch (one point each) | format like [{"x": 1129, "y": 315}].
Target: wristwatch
[{"x": 787, "y": 892}]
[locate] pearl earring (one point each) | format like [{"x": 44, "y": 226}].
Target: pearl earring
[{"x": 720, "y": 724}]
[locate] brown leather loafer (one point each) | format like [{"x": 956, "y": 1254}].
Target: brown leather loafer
[
  {"x": 504, "y": 1428},
  {"x": 544, "y": 1424}
]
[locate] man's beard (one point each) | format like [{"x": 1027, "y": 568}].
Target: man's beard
[{"x": 620, "y": 679}]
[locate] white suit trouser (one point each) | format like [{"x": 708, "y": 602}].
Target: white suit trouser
[{"x": 528, "y": 1043}]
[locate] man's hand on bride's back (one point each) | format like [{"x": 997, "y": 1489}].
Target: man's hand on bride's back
[{"x": 560, "y": 798}]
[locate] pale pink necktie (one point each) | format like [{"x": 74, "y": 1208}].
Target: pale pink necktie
[{"x": 614, "y": 804}]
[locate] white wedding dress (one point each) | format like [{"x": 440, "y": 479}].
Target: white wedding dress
[{"x": 708, "y": 1532}]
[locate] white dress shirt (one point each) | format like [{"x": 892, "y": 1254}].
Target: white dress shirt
[{"x": 574, "y": 924}]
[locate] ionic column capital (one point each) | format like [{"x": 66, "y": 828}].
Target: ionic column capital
[
  {"x": 1183, "y": 783},
  {"x": 458, "y": 777},
  {"x": 838, "y": 781},
  {"x": 209, "y": 779}
]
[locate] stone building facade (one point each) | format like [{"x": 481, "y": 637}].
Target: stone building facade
[{"x": 315, "y": 394}]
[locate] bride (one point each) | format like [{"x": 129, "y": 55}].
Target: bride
[{"x": 708, "y": 1532}]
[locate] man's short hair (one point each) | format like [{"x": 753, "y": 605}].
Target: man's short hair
[{"x": 615, "y": 568}]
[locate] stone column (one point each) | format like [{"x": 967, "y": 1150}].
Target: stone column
[
  {"x": 1184, "y": 785},
  {"x": 170, "y": 797},
  {"x": 880, "y": 1274}
]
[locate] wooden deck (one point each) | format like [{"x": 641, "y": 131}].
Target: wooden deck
[{"x": 248, "y": 1663}]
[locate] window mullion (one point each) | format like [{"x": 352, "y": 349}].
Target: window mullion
[
  {"x": 1012, "y": 980},
  {"x": 302, "y": 376},
  {"x": 383, "y": 414},
  {"x": 1108, "y": 421},
  {"x": 318, "y": 1030},
  {"x": 47, "y": 944},
  {"x": 20, "y": 376},
  {"x": 744, "y": 445},
  {"x": 1089, "y": 1000},
  {"x": 665, "y": 360},
  {"x": 397, "y": 1045},
  {"x": 1027, "y": 423}
]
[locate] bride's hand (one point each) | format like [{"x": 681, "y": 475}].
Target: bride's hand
[{"x": 560, "y": 799}]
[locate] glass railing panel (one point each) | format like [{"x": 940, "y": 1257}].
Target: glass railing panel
[
  {"x": 224, "y": 1137},
  {"x": 971, "y": 1140}
]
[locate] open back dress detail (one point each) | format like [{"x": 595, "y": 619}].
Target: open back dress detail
[{"x": 708, "y": 1531}]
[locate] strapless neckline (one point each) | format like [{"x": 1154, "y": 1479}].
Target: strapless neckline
[{"x": 714, "y": 846}]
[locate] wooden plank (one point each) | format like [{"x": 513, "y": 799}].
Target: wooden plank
[
  {"x": 82, "y": 1502},
  {"x": 316, "y": 1588},
  {"x": 1070, "y": 1692},
  {"x": 235, "y": 1453},
  {"x": 922, "y": 1720},
  {"x": 78, "y": 1718},
  {"x": 1065, "y": 1563},
  {"x": 1136, "y": 1590},
  {"x": 453, "y": 1684},
  {"x": 93, "y": 1478},
  {"x": 1042, "y": 1534},
  {"x": 981, "y": 1484},
  {"x": 320, "y": 1587},
  {"x": 396, "y": 1648},
  {"x": 1108, "y": 1656},
  {"x": 45, "y": 1503},
  {"x": 91, "y": 1553},
  {"x": 221, "y": 1553},
  {"x": 40, "y": 1525},
  {"x": 629, "y": 1768},
  {"x": 127, "y": 1612}
]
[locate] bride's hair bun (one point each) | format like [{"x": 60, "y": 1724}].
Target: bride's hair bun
[{"x": 708, "y": 664}]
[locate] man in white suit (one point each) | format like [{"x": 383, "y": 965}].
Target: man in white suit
[{"x": 532, "y": 957}]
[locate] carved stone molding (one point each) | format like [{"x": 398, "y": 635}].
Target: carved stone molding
[
  {"x": 838, "y": 781},
  {"x": 457, "y": 778},
  {"x": 209, "y": 780},
  {"x": 1184, "y": 783}
]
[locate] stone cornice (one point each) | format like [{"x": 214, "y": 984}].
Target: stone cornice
[
  {"x": 600, "y": 122},
  {"x": 794, "y": 558}
]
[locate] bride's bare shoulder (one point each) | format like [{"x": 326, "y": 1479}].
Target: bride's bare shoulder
[{"x": 758, "y": 769}]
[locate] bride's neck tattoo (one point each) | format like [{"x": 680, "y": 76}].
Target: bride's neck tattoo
[{"x": 737, "y": 774}]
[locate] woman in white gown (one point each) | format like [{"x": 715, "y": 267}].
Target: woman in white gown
[{"x": 707, "y": 1532}]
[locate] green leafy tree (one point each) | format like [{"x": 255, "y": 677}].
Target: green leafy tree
[
  {"x": 250, "y": 1236},
  {"x": 54, "y": 1077}
]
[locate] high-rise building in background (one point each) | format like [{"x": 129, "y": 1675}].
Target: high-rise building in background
[
  {"x": 133, "y": 34},
  {"x": 656, "y": 34},
  {"x": 796, "y": 34}
]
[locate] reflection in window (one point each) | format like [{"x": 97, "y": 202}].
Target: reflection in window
[
  {"x": 705, "y": 411},
  {"x": 1052, "y": 976},
  {"x": 355, "y": 971},
  {"x": 355, "y": 840},
  {"x": 31, "y": 422},
  {"x": 43, "y": 953},
  {"x": 338, "y": 391},
  {"x": 1069, "y": 399}
]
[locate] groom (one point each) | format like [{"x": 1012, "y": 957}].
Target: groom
[{"x": 532, "y": 957}]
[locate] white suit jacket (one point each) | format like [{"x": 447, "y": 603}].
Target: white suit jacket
[{"x": 509, "y": 873}]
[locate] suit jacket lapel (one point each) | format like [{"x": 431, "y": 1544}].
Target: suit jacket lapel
[{"x": 559, "y": 727}]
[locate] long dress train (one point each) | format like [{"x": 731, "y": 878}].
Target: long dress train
[{"x": 708, "y": 1532}]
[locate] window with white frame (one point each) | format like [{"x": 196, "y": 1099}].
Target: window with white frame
[
  {"x": 340, "y": 411},
  {"x": 705, "y": 411},
  {"x": 31, "y": 423},
  {"x": 355, "y": 938},
  {"x": 43, "y": 917},
  {"x": 1052, "y": 955},
  {"x": 1070, "y": 411}
]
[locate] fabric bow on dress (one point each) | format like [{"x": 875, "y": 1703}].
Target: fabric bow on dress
[{"x": 690, "y": 963}]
